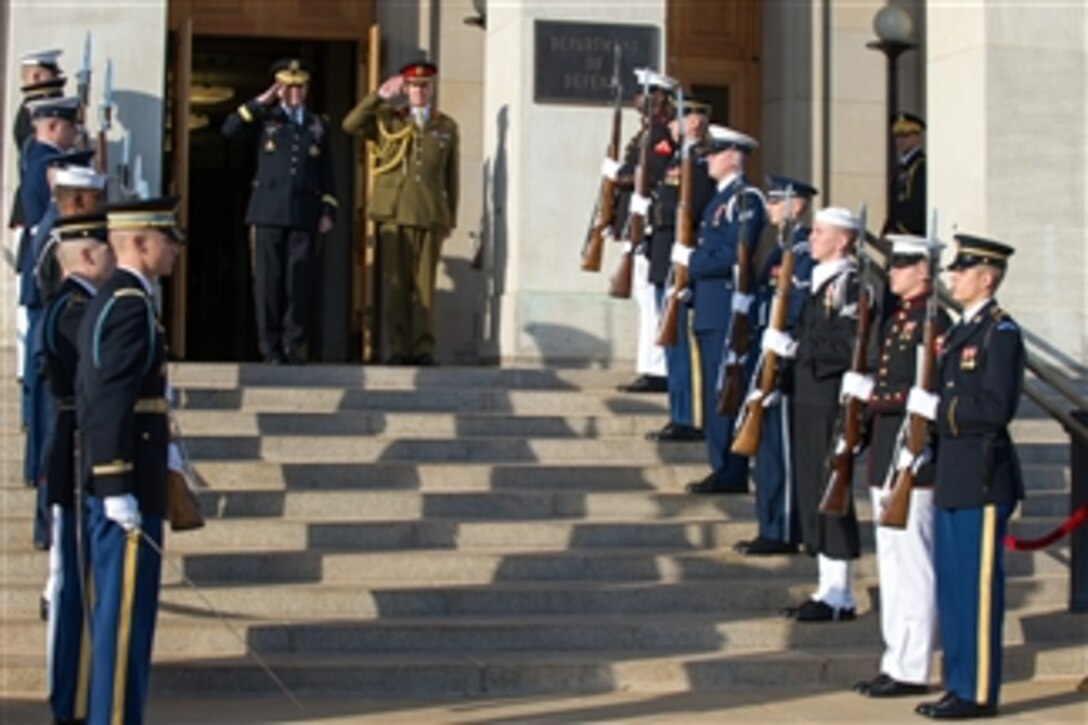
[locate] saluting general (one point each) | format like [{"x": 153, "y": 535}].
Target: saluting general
[
  {"x": 122, "y": 414},
  {"x": 414, "y": 201},
  {"x": 980, "y": 376},
  {"x": 293, "y": 200}
]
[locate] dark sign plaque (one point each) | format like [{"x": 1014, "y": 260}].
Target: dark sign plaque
[{"x": 573, "y": 61}]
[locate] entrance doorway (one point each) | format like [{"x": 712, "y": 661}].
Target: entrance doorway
[{"x": 220, "y": 320}]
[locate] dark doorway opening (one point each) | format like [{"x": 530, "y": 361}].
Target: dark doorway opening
[{"x": 220, "y": 320}]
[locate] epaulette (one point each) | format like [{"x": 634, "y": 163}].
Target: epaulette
[{"x": 1002, "y": 321}]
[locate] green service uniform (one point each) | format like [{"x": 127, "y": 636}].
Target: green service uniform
[{"x": 414, "y": 205}]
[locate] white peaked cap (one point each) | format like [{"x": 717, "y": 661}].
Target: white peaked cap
[
  {"x": 838, "y": 216},
  {"x": 911, "y": 244},
  {"x": 41, "y": 57},
  {"x": 79, "y": 177},
  {"x": 722, "y": 137},
  {"x": 653, "y": 79}
]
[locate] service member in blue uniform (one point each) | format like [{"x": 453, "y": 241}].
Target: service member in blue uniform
[
  {"x": 734, "y": 216},
  {"x": 907, "y": 195},
  {"x": 821, "y": 349},
  {"x": 776, "y": 490},
  {"x": 80, "y": 251},
  {"x": 293, "y": 200},
  {"x": 55, "y": 132},
  {"x": 685, "y": 400},
  {"x": 122, "y": 415},
  {"x": 979, "y": 484},
  {"x": 908, "y": 600},
  {"x": 41, "y": 78}
]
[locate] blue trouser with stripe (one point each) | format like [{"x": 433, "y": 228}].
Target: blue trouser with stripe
[
  {"x": 68, "y": 643},
  {"x": 730, "y": 471},
  {"x": 683, "y": 392},
  {"x": 776, "y": 494},
  {"x": 969, "y": 563},
  {"x": 125, "y": 570}
]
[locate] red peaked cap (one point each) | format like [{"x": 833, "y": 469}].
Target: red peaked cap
[{"x": 419, "y": 70}]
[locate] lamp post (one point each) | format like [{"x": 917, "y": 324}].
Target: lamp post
[{"x": 895, "y": 30}]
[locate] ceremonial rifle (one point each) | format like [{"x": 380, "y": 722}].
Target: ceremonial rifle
[
  {"x": 732, "y": 390},
  {"x": 897, "y": 510},
  {"x": 105, "y": 120},
  {"x": 668, "y": 332},
  {"x": 620, "y": 283},
  {"x": 604, "y": 212},
  {"x": 836, "y": 498},
  {"x": 83, "y": 90},
  {"x": 746, "y": 440}
]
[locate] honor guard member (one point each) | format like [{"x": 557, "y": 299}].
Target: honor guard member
[
  {"x": 650, "y": 365},
  {"x": 776, "y": 489},
  {"x": 40, "y": 78},
  {"x": 292, "y": 201},
  {"x": 735, "y": 215},
  {"x": 685, "y": 417},
  {"x": 908, "y": 602},
  {"x": 980, "y": 376},
  {"x": 122, "y": 415},
  {"x": 414, "y": 200},
  {"x": 55, "y": 132},
  {"x": 907, "y": 195},
  {"x": 79, "y": 249},
  {"x": 821, "y": 350}
]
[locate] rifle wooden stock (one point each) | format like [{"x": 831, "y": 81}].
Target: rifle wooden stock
[
  {"x": 836, "y": 498},
  {"x": 620, "y": 284},
  {"x": 100, "y": 146},
  {"x": 593, "y": 250},
  {"x": 897, "y": 510},
  {"x": 732, "y": 392},
  {"x": 669, "y": 330},
  {"x": 746, "y": 440}
]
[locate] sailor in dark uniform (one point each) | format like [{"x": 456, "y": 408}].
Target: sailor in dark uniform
[
  {"x": 776, "y": 490},
  {"x": 907, "y": 193},
  {"x": 79, "y": 249},
  {"x": 734, "y": 216},
  {"x": 980, "y": 378},
  {"x": 825, "y": 335},
  {"x": 908, "y": 601},
  {"x": 293, "y": 200},
  {"x": 685, "y": 414},
  {"x": 122, "y": 416}
]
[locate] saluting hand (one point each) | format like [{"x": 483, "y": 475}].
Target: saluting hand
[
  {"x": 271, "y": 95},
  {"x": 324, "y": 224},
  {"x": 391, "y": 87}
]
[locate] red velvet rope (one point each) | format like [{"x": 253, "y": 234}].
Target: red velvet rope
[{"x": 1079, "y": 517}]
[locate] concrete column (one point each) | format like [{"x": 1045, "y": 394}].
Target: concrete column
[
  {"x": 544, "y": 161},
  {"x": 1009, "y": 152}
]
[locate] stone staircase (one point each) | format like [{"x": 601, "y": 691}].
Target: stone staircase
[{"x": 471, "y": 531}]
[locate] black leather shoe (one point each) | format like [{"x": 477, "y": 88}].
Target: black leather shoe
[
  {"x": 424, "y": 360},
  {"x": 816, "y": 611},
  {"x": 885, "y": 686},
  {"x": 396, "y": 359},
  {"x": 294, "y": 357},
  {"x": 43, "y": 609},
  {"x": 645, "y": 384},
  {"x": 708, "y": 486},
  {"x": 951, "y": 707},
  {"x": 274, "y": 358},
  {"x": 675, "y": 433},
  {"x": 760, "y": 546}
]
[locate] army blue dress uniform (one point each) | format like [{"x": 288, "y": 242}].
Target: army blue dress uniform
[
  {"x": 773, "y": 469},
  {"x": 979, "y": 484},
  {"x": 734, "y": 216},
  {"x": 293, "y": 188},
  {"x": 685, "y": 399},
  {"x": 69, "y": 653},
  {"x": 122, "y": 415}
]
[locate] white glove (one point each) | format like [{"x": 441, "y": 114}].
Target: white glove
[
  {"x": 914, "y": 463},
  {"x": 772, "y": 399},
  {"x": 684, "y": 295},
  {"x": 778, "y": 342},
  {"x": 680, "y": 255},
  {"x": 123, "y": 510},
  {"x": 610, "y": 169},
  {"x": 741, "y": 303},
  {"x": 173, "y": 457},
  {"x": 640, "y": 205},
  {"x": 923, "y": 403},
  {"x": 856, "y": 385},
  {"x": 627, "y": 247}
]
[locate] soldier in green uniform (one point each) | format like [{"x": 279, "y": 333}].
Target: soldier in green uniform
[{"x": 413, "y": 203}]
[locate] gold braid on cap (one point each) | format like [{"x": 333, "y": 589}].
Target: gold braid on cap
[{"x": 386, "y": 139}]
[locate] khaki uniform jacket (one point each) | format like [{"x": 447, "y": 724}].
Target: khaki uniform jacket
[{"x": 416, "y": 171}]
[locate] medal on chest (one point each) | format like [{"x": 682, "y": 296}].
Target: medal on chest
[{"x": 968, "y": 358}]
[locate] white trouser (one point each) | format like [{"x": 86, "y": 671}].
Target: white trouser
[
  {"x": 22, "y": 324},
  {"x": 651, "y": 356},
  {"x": 908, "y": 595},
  {"x": 835, "y": 576}
]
